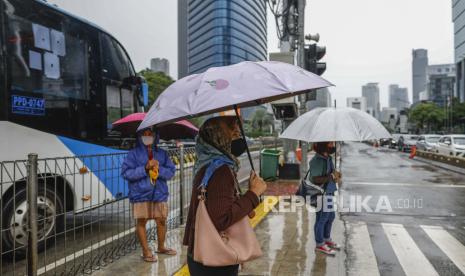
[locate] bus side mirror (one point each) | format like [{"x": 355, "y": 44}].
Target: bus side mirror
[{"x": 145, "y": 93}]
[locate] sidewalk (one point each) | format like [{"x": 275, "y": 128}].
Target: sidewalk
[
  {"x": 286, "y": 239},
  {"x": 288, "y": 243}
]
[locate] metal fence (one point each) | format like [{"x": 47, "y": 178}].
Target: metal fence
[{"x": 83, "y": 219}]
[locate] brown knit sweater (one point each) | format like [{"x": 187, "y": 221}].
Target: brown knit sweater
[{"x": 223, "y": 206}]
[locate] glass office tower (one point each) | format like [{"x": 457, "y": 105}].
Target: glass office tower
[{"x": 224, "y": 32}]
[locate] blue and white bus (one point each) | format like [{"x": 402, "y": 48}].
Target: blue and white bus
[{"x": 63, "y": 81}]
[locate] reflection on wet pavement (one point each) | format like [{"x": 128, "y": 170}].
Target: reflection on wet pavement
[
  {"x": 288, "y": 244},
  {"x": 132, "y": 264}
]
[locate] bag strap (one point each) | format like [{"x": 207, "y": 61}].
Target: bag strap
[
  {"x": 236, "y": 183},
  {"x": 203, "y": 189},
  {"x": 306, "y": 175}
]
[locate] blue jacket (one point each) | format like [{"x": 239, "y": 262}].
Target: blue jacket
[{"x": 133, "y": 170}]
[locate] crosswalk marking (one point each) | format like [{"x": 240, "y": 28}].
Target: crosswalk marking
[
  {"x": 410, "y": 257},
  {"x": 365, "y": 260},
  {"x": 448, "y": 244}
]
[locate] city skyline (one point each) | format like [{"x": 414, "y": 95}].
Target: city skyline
[{"x": 373, "y": 54}]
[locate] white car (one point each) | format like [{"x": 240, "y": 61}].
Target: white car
[
  {"x": 453, "y": 145},
  {"x": 428, "y": 142}
]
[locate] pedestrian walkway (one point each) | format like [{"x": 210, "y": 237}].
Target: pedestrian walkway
[
  {"x": 404, "y": 250},
  {"x": 286, "y": 238}
]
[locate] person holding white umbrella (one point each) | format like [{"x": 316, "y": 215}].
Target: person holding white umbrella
[
  {"x": 323, "y": 127},
  {"x": 322, "y": 173}
]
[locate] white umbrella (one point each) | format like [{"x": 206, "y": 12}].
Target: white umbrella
[{"x": 335, "y": 124}]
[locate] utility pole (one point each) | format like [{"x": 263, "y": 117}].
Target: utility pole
[{"x": 301, "y": 62}]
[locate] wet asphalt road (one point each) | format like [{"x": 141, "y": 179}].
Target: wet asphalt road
[{"x": 418, "y": 194}]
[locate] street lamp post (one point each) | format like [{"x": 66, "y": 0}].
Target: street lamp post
[{"x": 301, "y": 62}]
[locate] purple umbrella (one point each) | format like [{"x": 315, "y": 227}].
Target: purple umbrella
[{"x": 230, "y": 87}]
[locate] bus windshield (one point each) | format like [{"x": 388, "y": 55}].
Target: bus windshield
[{"x": 65, "y": 76}]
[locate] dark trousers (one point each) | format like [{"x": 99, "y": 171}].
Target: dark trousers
[
  {"x": 198, "y": 269},
  {"x": 323, "y": 223}
]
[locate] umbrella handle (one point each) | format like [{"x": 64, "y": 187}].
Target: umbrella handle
[{"x": 243, "y": 135}]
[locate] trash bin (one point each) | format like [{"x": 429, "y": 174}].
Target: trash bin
[{"x": 269, "y": 163}]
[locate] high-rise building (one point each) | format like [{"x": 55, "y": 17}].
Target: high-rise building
[
  {"x": 441, "y": 83},
  {"x": 458, "y": 17},
  {"x": 224, "y": 32},
  {"x": 183, "y": 13},
  {"x": 398, "y": 97},
  {"x": 371, "y": 92},
  {"x": 160, "y": 65},
  {"x": 357, "y": 103},
  {"x": 388, "y": 114},
  {"x": 319, "y": 98},
  {"x": 419, "y": 64}
]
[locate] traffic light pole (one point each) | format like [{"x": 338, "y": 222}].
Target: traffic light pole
[{"x": 301, "y": 62}]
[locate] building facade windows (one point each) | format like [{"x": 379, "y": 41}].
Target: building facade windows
[{"x": 224, "y": 32}]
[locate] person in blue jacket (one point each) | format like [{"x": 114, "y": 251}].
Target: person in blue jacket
[{"x": 148, "y": 196}]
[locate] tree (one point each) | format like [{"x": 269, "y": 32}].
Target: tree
[
  {"x": 427, "y": 116},
  {"x": 458, "y": 116},
  {"x": 157, "y": 82},
  {"x": 258, "y": 119}
]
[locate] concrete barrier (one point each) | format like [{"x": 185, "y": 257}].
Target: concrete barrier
[{"x": 450, "y": 160}]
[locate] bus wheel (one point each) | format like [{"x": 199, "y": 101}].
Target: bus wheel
[{"x": 50, "y": 216}]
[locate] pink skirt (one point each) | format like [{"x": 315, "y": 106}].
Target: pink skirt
[{"x": 150, "y": 210}]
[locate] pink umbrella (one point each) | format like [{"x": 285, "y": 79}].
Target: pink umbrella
[{"x": 179, "y": 130}]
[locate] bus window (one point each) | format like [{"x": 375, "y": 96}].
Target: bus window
[
  {"x": 56, "y": 67},
  {"x": 116, "y": 68},
  {"x": 53, "y": 61},
  {"x": 127, "y": 102},
  {"x": 116, "y": 64},
  {"x": 113, "y": 104}
]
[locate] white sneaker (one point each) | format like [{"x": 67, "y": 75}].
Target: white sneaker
[
  {"x": 333, "y": 245},
  {"x": 325, "y": 249}
]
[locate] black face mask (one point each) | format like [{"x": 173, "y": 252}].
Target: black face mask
[
  {"x": 238, "y": 147},
  {"x": 331, "y": 150}
]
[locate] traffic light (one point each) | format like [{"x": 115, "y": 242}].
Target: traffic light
[{"x": 313, "y": 53}]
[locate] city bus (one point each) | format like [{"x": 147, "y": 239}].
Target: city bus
[{"x": 63, "y": 81}]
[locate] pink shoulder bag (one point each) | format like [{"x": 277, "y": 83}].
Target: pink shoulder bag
[{"x": 236, "y": 245}]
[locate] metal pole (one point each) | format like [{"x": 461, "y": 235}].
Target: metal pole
[
  {"x": 335, "y": 144},
  {"x": 181, "y": 183},
  {"x": 301, "y": 63},
  {"x": 32, "y": 254}
]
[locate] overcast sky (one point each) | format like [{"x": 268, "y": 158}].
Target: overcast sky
[{"x": 366, "y": 40}]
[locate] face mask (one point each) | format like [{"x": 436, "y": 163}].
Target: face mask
[
  {"x": 331, "y": 150},
  {"x": 238, "y": 147},
  {"x": 147, "y": 140}
]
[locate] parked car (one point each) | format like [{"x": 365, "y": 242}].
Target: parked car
[
  {"x": 384, "y": 142},
  {"x": 453, "y": 145},
  {"x": 428, "y": 142},
  {"x": 406, "y": 142},
  {"x": 395, "y": 140}
]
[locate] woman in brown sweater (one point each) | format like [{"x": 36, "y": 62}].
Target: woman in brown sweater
[{"x": 217, "y": 166}]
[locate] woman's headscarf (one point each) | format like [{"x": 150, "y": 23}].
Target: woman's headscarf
[{"x": 213, "y": 143}]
